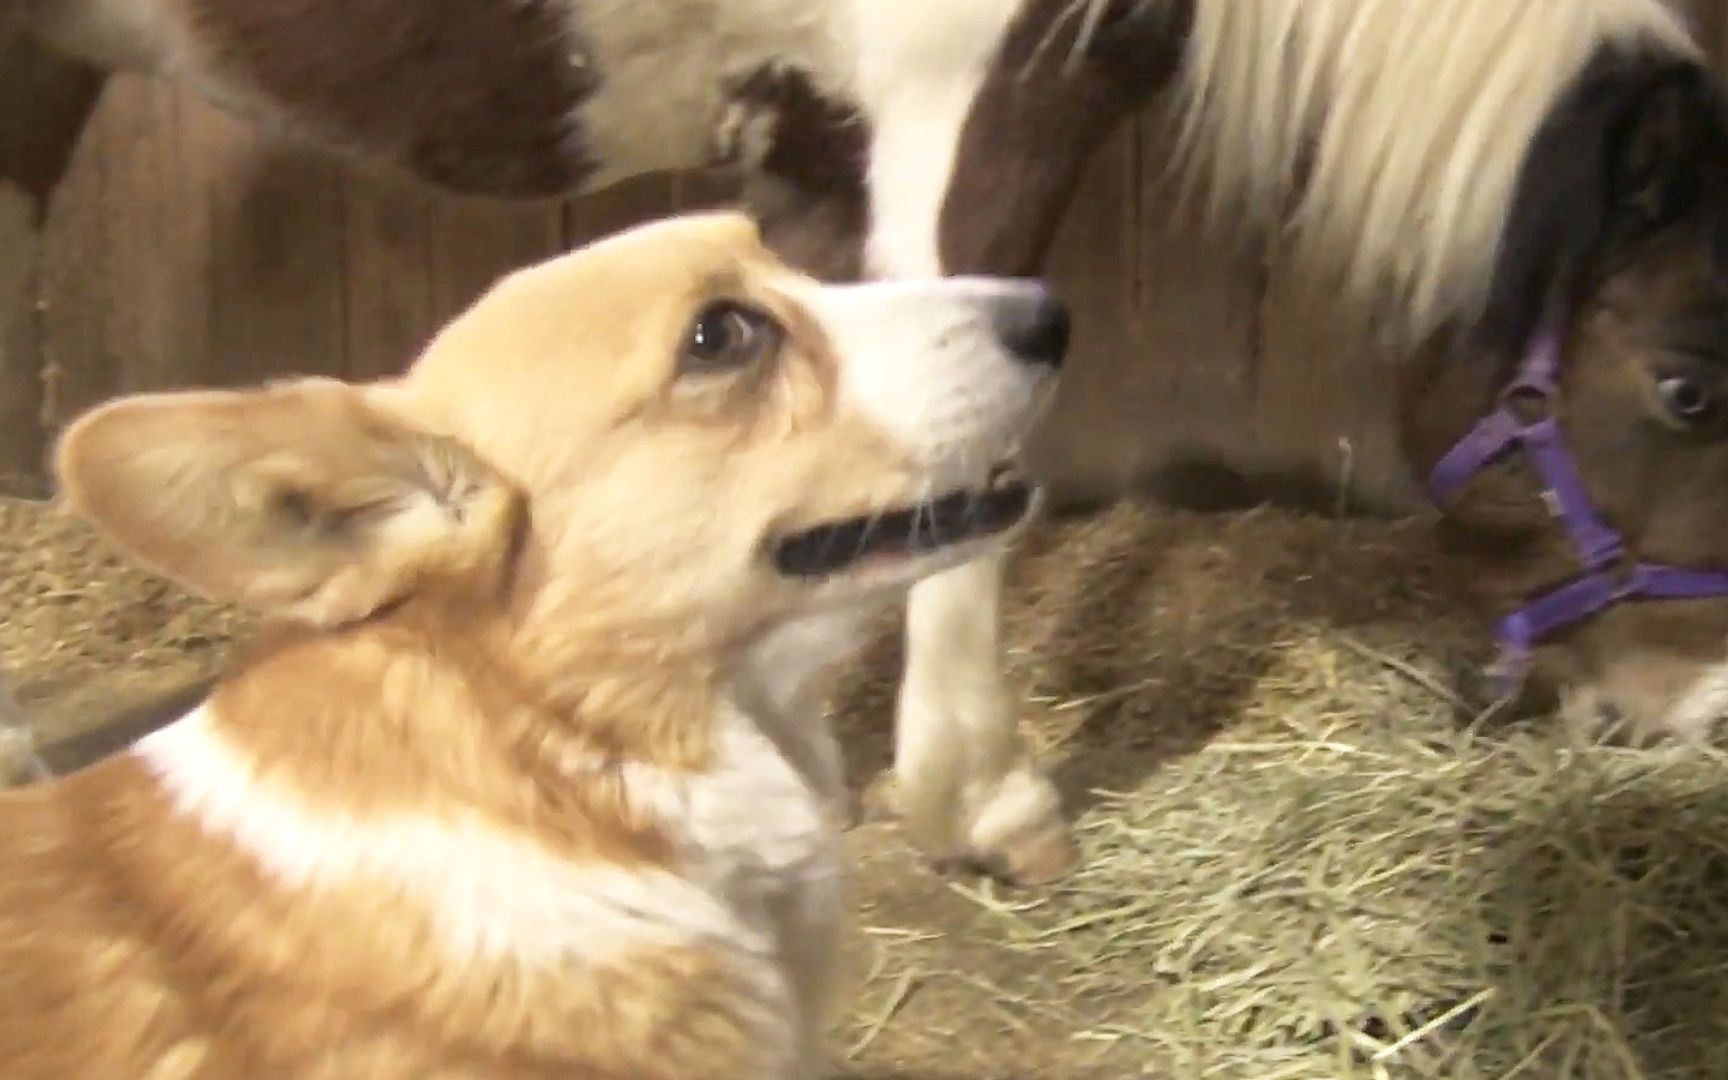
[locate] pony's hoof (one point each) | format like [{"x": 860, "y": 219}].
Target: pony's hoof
[
  {"x": 1039, "y": 860},
  {"x": 878, "y": 802},
  {"x": 1036, "y": 857},
  {"x": 1018, "y": 835},
  {"x": 1039, "y": 857}
]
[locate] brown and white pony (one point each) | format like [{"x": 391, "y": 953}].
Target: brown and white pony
[{"x": 1482, "y": 175}]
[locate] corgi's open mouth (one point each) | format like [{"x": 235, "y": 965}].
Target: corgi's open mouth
[{"x": 966, "y": 514}]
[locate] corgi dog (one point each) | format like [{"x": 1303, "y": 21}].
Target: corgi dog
[{"x": 531, "y": 776}]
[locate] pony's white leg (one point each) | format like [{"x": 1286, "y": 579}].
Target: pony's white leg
[{"x": 965, "y": 784}]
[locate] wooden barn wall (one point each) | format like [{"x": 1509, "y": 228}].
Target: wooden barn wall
[{"x": 181, "y": 248}]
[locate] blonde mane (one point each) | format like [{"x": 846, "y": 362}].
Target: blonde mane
[{"x": 1384, "y": 138}]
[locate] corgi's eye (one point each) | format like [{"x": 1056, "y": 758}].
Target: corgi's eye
[{"x": 726, "y": 336}]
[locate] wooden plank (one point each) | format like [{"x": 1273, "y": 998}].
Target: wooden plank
[
  {"x": 44, "y": 102},
  {"x": 79, "y": 362},
  {"x": 387, "y": 241},
  {"x": 704, "y": 191},
  {"x": 630, "y": 203},
  {"x": 417, "y": 258},
  {"x": 188, "y": 250},
  {"x": 20, "y": 238},
  {"x": 474, "y": 243},
  {"x": 21, "y": 434},
  {"x": 275, "y": 303},
  {"x": 154, "y": 166}
]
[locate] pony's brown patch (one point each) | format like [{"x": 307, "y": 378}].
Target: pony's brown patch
[
  {"x": 820, "y": 144},
  {"x": 809, "y": 190},
  {"x": 476, "y": 97},
  {"x": 1063, "y": 80}
]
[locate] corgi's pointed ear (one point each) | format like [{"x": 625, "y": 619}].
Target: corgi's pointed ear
[{"x": 303, "y": 500}]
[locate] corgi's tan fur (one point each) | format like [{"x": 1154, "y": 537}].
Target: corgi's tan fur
[{"x": 533, "y": 780}]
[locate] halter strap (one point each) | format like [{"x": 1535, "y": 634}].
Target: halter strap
[{"x": 1599, "y": 548}]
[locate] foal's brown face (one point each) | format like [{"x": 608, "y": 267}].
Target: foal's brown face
[
  {"x": 1644, "y": 408},
  {"x": 1645, "y": 412}
]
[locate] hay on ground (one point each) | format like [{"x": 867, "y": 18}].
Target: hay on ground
[{"x": 84, "y": 632}]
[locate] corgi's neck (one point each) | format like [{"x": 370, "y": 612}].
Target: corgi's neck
[
  {"x": 383, "y": 717},
  {"x": 782, "y": 685},
  {"x": 785, "y": 672}
]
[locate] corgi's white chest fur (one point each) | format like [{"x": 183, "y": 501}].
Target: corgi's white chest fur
[
  {"x": 753, "y": 819},
  {"x": 758, "y": 833},
  {"x": 767, "y": 821}
]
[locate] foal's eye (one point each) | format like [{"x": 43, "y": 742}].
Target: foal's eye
[
  {"x": 727, "y": 335},
  {"x": 1686, "y": 399}
]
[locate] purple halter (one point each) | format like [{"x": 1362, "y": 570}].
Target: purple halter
[{"x": 1607, "y": 578}]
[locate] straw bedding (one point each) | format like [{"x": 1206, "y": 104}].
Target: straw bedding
[{"x": 1305, "y": 857}]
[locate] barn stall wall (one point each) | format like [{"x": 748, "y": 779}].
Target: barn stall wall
[{"x": 179, "y": 248}]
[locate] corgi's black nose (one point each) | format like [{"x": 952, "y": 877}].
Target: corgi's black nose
[{"x": 1034, "y": 326}]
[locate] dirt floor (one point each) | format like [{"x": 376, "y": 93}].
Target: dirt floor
[{"x": 1305, "y": 854}]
